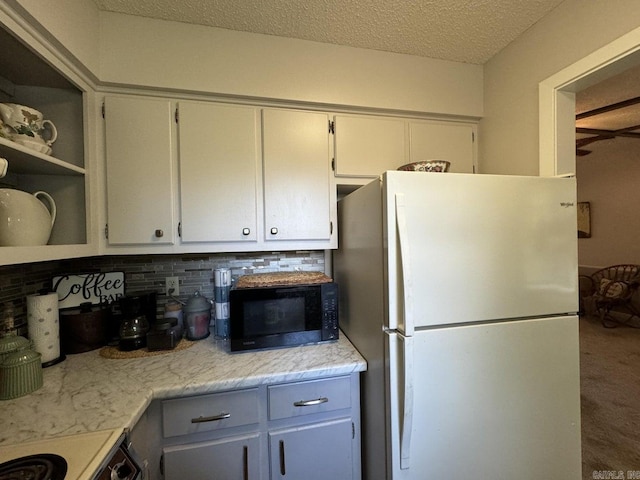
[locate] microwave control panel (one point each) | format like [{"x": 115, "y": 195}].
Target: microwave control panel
[{"x": 330, "y": 311}]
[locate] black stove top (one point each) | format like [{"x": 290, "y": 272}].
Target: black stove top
[{"x": 44, "y": 466}]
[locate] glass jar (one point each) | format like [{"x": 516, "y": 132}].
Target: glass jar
[
  {"x": 197, "y": 316},
  {"x": 133, "y": 333},
  {"x": 174, "y": 310}
]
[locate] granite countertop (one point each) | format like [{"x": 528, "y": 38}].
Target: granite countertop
[{"x": 88, "y": 393}]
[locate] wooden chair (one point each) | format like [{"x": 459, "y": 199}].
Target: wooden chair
[{"x": 612, "y": 289}]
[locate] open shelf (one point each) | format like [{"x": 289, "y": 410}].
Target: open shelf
[{"x": 23, "y": 160}]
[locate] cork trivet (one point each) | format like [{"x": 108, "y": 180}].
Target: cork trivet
[
  {"x": 114, "y": 353},
  {"x": 281, "y": 278}
]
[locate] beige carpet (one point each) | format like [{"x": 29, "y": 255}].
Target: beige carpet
[{"x": 610, "y": 392}]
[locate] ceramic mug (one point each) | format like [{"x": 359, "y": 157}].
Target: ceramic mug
[{"x": 28, "y": 121}]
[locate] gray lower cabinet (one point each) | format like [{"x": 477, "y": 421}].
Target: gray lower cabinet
[
  {"x": 300, "y": 430},
  {"x": 319, "y": 451},
  {"x": 224, "y": 459}
]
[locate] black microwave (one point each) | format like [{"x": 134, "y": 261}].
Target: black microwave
[{"x": 283, "y": 316}]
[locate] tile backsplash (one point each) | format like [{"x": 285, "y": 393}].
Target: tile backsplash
[{"x": 148, "y": 272}]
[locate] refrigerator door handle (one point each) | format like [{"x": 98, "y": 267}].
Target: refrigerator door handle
[
  {"x": 405, "y": 265},
  {"x": 407, "y": 407}
]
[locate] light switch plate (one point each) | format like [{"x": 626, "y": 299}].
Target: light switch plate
[{"x": 171, "y": 286}]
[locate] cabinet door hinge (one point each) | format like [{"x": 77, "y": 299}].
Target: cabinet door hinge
[
  {"x": 103, "y": 110},
  {"x": 161, "y": 464},
  {"x": 106, "y": 231},
  {"x": 473, "y": 137},
  {"x": 177, "y": 115},
  {"x": 332, "y": 126},
  {"x": 333, "y": 164},
  {"x": 330, "y": 228},
  {"x": 353, "y": 430},
  {"x": 180, "y": 229}
]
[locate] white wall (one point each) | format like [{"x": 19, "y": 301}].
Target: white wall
[
  {"x": 509, "y": 129},
  {"x": 72, "y": 23},
  {"x": 609, "y": 178},
  {"x": 170, "y": 55}
]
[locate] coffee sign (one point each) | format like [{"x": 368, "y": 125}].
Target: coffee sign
[{"x": 97, "y": 288}]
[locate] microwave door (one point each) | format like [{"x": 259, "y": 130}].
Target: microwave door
[{"x": 282, "y": 316}]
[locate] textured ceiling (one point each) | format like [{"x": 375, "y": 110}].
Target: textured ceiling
[{"x": 469, "y": 31}]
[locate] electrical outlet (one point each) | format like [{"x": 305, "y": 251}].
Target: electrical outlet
[{"x": 171, "y": 286}]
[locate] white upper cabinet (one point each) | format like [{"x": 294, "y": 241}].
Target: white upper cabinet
[
  {"x": 451, "y": 141},
  {"x": 219, "y": 157},
  {"x": 298, "y": 197},
  {"x": 366, "y": 146},
  {"x": 139, "y": 171},
  {"x": 242, "y": 178}
]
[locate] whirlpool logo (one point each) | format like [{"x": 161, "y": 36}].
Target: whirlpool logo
[{"x": 566, "y": 204}]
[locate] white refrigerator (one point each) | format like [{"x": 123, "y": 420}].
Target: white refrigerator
[{"x": 461, "y": 292}]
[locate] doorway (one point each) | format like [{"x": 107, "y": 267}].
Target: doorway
[{"x": 557, "y": 148}]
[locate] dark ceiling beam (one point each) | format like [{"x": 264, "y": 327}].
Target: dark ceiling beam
[
  {"x": 581, "y": 142},
  {"x": 625, "y": 132},
  {"x": 608, "y": 108}
]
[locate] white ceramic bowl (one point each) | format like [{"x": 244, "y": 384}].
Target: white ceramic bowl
[{"x": 427, "y": 166}]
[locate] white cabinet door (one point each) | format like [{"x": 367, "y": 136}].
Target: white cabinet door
[
  {"x": 319, "y": 451},
  {"x": 296, "y": 175},
  {"x": 139, "y": 171},
  {"x": 443, "y": 141},
  {"x": 367, "y": 146},
  {"x": 219, "y": 172},
  {"x": 223, "y": 459}
]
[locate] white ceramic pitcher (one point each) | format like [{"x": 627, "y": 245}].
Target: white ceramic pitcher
[{"x": 24, "y": 218}]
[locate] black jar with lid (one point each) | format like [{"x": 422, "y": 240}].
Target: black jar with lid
[{"x": 163, "y": 335}]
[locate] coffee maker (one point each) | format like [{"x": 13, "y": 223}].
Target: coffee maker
[{"x": 131, "y": 306}]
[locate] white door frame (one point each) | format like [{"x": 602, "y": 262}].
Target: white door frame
[{"x": 556, "y": 96}]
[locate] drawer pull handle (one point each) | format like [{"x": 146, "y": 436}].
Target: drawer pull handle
[
  {"x": 214, "y": 418},
  {"x": 309, "y": 403}
]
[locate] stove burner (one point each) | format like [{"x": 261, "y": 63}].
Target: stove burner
[{"x": 44, "y": 466}]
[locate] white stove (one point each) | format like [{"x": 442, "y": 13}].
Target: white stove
[{"x": 89, "y": 456}]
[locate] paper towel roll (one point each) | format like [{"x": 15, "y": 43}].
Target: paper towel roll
[{"x": 43, "y": 325}]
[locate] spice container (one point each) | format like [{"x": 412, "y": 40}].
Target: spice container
[
  {"x": 163, "y": 335},
  {"x": 222, "y": 283}
]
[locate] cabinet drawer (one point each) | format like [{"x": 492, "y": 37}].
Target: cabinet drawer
[
  {"x": 184, "y": 416},
  {"x": 304, "y": 398}
]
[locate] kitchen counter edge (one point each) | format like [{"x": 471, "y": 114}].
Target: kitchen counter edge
[{"x": 88, "y": 393}]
